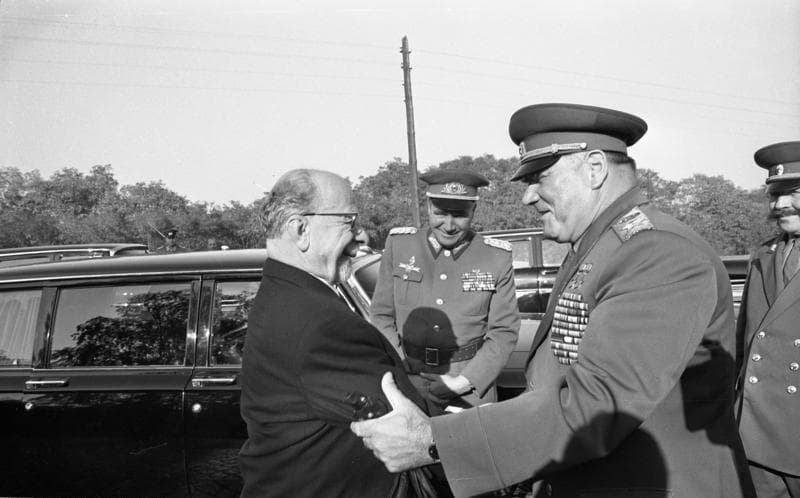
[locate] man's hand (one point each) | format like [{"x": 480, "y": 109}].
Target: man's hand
[
  {"x": 447, "y": 386},
  {"x": 400, "y": 438}
]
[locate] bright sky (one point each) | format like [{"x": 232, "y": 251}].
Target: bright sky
[{"x": 218, "y": 99}]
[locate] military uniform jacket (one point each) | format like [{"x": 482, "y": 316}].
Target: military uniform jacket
[
  {"x": 305, "y": 350},
  {"x": 434, "y": 297},
  {"x": 630, "y": 377},
  {"x": 769, "y": 327}
]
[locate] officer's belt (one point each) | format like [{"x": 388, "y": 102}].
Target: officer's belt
[{"x": 442, "y": 356}]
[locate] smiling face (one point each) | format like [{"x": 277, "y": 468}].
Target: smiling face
[
  {"x": 335, "y": 236},
  {"x": 563, "y": 196},
  {"x": 784, "y": 206},
  {"x": 450, "y": 223}
]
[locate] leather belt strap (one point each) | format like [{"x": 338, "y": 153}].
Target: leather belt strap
[{"x": 442, "y": 356}]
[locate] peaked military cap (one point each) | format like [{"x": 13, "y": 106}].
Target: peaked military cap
[
  {"x": 544, "y": 132},
  {"x": 453, "y": 184},
  {"x": 782, "y": 161}
]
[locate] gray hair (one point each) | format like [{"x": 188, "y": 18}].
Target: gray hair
[{"x": 294, "y": 193}]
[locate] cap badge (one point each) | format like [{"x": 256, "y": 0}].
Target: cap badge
[
  {"x": 779, "y": 169},
  {"x": 522, "y": 148},
  {"x": 454, "y": 188}
]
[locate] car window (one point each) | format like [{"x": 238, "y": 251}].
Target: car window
[
  {"x": 121, "y": 325},
  {"x": 367, "y": 276},
  {"x": 232, "y": 301},
  {"x": 521, "y": 253},
  {"x": 18, "y": 312}
]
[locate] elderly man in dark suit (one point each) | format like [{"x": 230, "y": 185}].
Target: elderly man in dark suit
[
  {"x": 768, "y": 326},
  {"x": 311, "y": 365},
  {"x": 630, "y": 378}
]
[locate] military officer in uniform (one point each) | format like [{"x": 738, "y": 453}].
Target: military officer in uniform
[
  {"x": 769, "y": 378},
  {"x": 631, "y": 373},
  {"x": 445, "y": 296}
]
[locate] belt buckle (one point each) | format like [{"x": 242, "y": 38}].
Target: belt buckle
[{"x": 432, "y": 357}]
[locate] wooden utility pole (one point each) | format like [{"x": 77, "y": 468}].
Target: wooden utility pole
[{"x": 412, "y": 144}]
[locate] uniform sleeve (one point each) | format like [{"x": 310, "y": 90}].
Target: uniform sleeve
[
  {"x": 343, "y": 356},
  {"x": 655, "y": 303},
  {"x": 503, "y": 324},
  {"x": 741, "y": 323},
  {"x": 382, "y": 312}
]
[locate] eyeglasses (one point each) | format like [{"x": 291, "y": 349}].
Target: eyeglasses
[{"x": 350, "y": 218}]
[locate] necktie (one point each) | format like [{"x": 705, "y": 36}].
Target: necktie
[{"x": 792, "y": 260}]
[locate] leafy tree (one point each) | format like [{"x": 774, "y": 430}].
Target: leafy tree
[
  {"x": 725, "y": 215},
  {"x": 383, "y": 201}
]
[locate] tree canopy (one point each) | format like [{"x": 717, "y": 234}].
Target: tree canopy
[{"x": 74, "y": 207}]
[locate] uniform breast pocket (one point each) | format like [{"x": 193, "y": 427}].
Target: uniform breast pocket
[
  {"x": 407, "y": 286},
  {"x": 476, "y": 302}
]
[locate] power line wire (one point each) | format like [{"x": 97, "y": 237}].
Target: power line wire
[
  {"x": 220, "y": 34},
  {"x": 194, "y": 49},
  {"x": 190, "y": 87},
  {"x": 612, "y": 92},
  {"x": 197, "y": 69},
  {"x": 602, "y": 76}
]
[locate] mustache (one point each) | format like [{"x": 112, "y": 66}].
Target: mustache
[{"x": 778, "y": 213}]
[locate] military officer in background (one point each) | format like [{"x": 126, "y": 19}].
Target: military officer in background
[
  {"x": 769, "y": 327},
  {"x": 445, "y": 296},
  {"x": 631, "y": 373}
]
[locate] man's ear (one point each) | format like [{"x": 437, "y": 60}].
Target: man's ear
[
  {"x": 598, "y": 168},
  {"x": 298, "y": 230}
]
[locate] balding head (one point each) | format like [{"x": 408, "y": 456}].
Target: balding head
[
  {"x": 302, "y": 191},
  {"x": 310, "y": 220}
]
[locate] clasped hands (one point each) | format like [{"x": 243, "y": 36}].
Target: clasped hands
[{"x": 401, "y": 438}]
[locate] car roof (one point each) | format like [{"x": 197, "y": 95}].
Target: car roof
[
  {"x": 108, "y": 248},
  {"x": 184, "y": 263},
  {"x": 237, "y": 260},
  {"x": 736, "y": 264}
]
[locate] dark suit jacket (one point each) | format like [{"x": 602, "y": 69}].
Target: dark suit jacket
[
  {"x": 305, "y": 350},
  {"x": 769, "y": 327},
  {"x": 630, "y": 379}
]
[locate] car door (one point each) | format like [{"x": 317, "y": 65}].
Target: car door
[
  {"x": 19, "y": 316},
  {"x": 106, "y": 409},
  {"x": 215, "y": 430}
]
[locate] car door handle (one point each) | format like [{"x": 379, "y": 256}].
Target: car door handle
[
  {"x": 213, "y": 381},
  {"x": 548, "y": 272},
  {"x": 35, "y": 384}
]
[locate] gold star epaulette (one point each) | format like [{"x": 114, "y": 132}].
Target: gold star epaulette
[
  {"x": 498, "y": 243},
  {"x": 402, "y": 231},
  {"x": 633, "y": 222}
]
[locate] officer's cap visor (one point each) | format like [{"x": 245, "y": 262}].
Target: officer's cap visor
[
  {"x": 534, "y": 166},
  {"x": 783, "y": 186},
  {"x": 451, "y": 204}
]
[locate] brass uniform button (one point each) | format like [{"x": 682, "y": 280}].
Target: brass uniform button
[
  {"x": 440, "y": 301},
  {"x": 791, "y": 389},
  {"x": 752, "y": 379},
  {"x": 443, "y": 276},
  {"x": 794, "y": 366},
  {"x": 756, "y": 357}
]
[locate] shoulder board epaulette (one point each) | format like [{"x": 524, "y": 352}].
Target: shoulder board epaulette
[
  {"x": 402, "y": 230},
  {"x": 631, "y": 223},
  {"x": 498, "y": 243}
]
